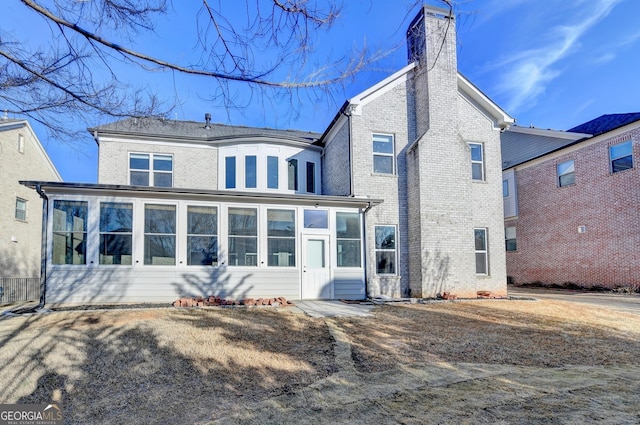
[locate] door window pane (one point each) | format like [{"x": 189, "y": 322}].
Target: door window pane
[{"x": 315, "y": 254}]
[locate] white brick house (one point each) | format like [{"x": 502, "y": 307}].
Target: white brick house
[
  {"x": 400, "y": 196},
  {"x": 22, "y": 157}
]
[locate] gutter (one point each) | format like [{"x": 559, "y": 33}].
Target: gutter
[
  {"x": 43, "y": 248},
  {"x": 364, "y": 248}
]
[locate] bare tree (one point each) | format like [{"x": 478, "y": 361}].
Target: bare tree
[{"x": 79, "y": 73}]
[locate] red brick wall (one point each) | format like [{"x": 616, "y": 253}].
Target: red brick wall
[{"x": 550, "y": 249}]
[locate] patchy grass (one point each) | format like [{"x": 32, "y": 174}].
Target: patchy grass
[
  {"x": 461, "y": 362},
  {"x": 511, "y": 332},
  {"x": 152, "y": 366}
]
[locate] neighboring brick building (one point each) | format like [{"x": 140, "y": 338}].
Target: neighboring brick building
[
  {"x": 572, "y": 203},
  {"x": 22, "y": 157},
  {"x": 399, "y": 197}
]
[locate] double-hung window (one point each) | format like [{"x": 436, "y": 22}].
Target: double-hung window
[
  {"x": 621, "y": 156},
  {"x": 116, "y": 232},
  {"x": 348, "y": 239},
  {"x": 482, "y": 257},
  {"x": 566, "y": 173},
  {"x": 150, "y": 170},
  {"x": 281, "y": 238},
  {"x": 21, "y": 209},
  {"x": 385, "y": 249},
  {"x": 202, "y": 236},
  {"x": 383, "y": 154},
  {"x": 243, "y": 237},
  {"x": 477, "y": 161},
  {"x": 69, "y": 232},
  {"x": 510, "y": 238}
]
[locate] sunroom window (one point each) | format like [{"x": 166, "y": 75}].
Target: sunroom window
[
  {"x": 116, "y": 232},
  {"x": 69, "y": 232}
]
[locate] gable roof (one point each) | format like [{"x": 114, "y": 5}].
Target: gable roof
[
  {"x": 195, "y": 131},
  {"x": 7, "y": 124},
  {"x": 465, "y": 86},
  {"x": 522, "y": 144},
  {"x": 606, "y": 123}
]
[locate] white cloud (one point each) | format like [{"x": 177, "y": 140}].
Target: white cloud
[{"x": 527, "y": 74}]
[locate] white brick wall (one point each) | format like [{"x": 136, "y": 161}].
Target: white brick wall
[
  {"x": 193, "y": 166},
  {"x": 21, "y": 258}
]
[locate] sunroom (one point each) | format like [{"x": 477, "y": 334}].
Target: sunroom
[{"x": 111, "y": 243}]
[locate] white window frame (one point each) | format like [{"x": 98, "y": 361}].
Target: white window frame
[
  {"x": 21, "y": 143},
  {"x": 392, "y": 154},
  {"x": 612, "y": 158},
  {"x": 100, "y": 232},
  {"x": 562, "y": 174},
  {"x": 151, "y": 171},
  {"x": 21, "y": 213},
  {"x": 484, "y": 251},
  {"x": 510, "y": 234},
  {"x": 394, "y": 250},
  {"x": 475, "y": 161}
]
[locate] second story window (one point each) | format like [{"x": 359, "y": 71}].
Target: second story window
[
  {"x": 293, "y": 174},
  {"x": 621, "y": 156},
  {"x": 150, "y": 170},
  {"x": 21, "y": 209},
  {"x": 477, "y": 161},
  {"x": 250, "y": 173},
  {"x": 230, "y": 172},
  {"x": 383, "y": 154},
  {"x": 272, "y": 172},
  {"x": 20, "y": 143},
  {"x": 566, "y": 173},
  {"x": 311, "y": 177}
]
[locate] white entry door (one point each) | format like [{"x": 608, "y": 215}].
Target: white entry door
[{"x": 316, "y": 278}]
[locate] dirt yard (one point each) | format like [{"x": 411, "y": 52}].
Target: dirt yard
[{"x": 494, "y": 362}]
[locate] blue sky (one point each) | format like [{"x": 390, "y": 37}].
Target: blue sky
[{"x": 551, "y": 64}]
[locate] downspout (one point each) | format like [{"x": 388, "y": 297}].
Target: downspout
[
  {"x": 364, "y": 247},
  {"x": 43, "y": 248}
]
